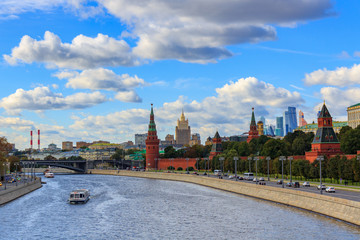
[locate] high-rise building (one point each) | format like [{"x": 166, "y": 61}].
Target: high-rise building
[
  {"x": 253, "y": 133},
  {"x": 140, "y": 139},
  {"x": 195, "y": 139},
  {"x": 279, "y": 130},
  {"x": 262, "y": 119},
  {"x": 152, "y": 143},
  {"x": 68, "y": 146},
  {"x": 302, "y": 121},
  {"x": 290, "y": 122},
  {"x": 170, "y": 138},
  {"x": 269, "y": 130},
  {"x": 182, "y": 131},
  {"x": 354, "y": 115}
]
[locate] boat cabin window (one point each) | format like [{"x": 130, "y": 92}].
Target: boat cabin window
[
  {"x": 81, "y": 195},
  {"x": 72, "y": 195}
]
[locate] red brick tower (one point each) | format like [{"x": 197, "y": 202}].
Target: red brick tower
[
  {"x": 152, "y": 143},
  {"x": 325, "y": 141},
  {"x": 253, "y": 133},
  {"x": 216, "y": 147}
]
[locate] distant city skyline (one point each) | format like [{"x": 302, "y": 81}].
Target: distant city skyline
[{"x": 89, "y": 70}]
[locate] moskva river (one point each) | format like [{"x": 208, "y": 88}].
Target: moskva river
[{"x": 134, "y": 208}]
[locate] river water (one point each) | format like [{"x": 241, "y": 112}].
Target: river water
[{"x": 134, "y": 208}]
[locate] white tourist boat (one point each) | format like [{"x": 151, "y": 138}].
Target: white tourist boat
[
  {"x": 49, "y": 175},
  {"x": 79, "y": 196}
]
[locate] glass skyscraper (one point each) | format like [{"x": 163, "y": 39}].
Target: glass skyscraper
[
  {"x": 279, "y": 130},
  {"x": 290, "y": 120}
]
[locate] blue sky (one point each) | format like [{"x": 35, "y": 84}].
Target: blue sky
[{"x": 87, "y": 70}]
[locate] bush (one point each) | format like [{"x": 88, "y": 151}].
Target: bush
[
  {"x": 190, "y": 169},
  {"x": 171, "y": 168},
  {"x": 179, "y": 168}
]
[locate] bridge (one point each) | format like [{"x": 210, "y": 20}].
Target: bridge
[{"x": 80, "y": 166}]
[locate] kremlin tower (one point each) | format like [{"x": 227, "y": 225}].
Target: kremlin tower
[
  {"x": 253, "y": 133},
  {"x": 152, "y": 144},
  {"x": 325, "y": 141},
  {"x": 217, "y": 146}
]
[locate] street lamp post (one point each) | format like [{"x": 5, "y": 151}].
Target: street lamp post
[
  {"x": 236, "y": 159},
  {"x": 187, "y": 165},
  {"x": 282, "y": 159},
  {"x": 249, "y": 158},
  {"x": 290, "y": 158},
  {"x": 16, "y": 177},
  {"x": 4, "y": 164},
  {"x": 256, "y": 159},
  {"x": 221, "y": 159},
  {"x": 320, "y": 158},
  {"x": 268, "y": 159},
  {"x": 197, "y": 164}
]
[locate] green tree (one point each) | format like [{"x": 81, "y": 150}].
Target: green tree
[{"x": 350, "y": 141}]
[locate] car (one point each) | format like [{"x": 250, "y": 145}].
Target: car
[
  {"x": 231, "y": 176},
  {"x": 217, "y": 172},
  {"x": 289, "y": 184},
  {"x": 306, "y": 184},
  {"x": 279, "y": 181},
  {"x": 11, "y": 180},
  {"x": 296, "y": 185},
  {"x": 255, "y": 180},
  {"x": 323, "y": 187},
  {"x": 240, "y": 178},
  {"x": 261, "y": 179},
  {"x": 330, "y": 189}
]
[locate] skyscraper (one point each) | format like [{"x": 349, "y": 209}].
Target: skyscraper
[
  {"x": 182, "y": 131},
  {"x": 279, "y": 130},
  {"x": 290, "y": 122}
]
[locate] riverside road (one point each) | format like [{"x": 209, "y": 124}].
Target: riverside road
[{"x": 350, "y": 194}]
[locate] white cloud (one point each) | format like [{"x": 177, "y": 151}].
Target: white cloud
[
  {"x": 83, "y": 52},
  {"x": 189, "y": 30},
  {"x": 12, "y": 8},
  {"x": 128, "y": 96},
  {"x": 42, "y": 98},
  {"x": 104, "y": 79},
  {"x": 332, "y": 95},
  {"x": 357, "y": 54},
  {"x": 342, "y": 76}
]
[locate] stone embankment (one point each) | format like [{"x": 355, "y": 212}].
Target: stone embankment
[
  {"x": 15, "y": 192},
  {"x": 338, "y": 208}
]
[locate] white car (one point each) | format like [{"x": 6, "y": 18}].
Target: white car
[
  {"x": 231, "y": 176},
  {"x": 330, "y": 189},
  {"x": 323, "y": 187},
  {"x": 306, "y": 184},
  {"x": 261, "y": 179},
  {"x": 255, "y": 180}
]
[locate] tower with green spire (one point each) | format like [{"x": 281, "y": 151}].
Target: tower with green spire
[
  {"x": 152, "y": 143},
  {"x": 253, "y": 133}
]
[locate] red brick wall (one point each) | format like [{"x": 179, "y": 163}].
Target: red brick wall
[{"x": 164, "y": 163}]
